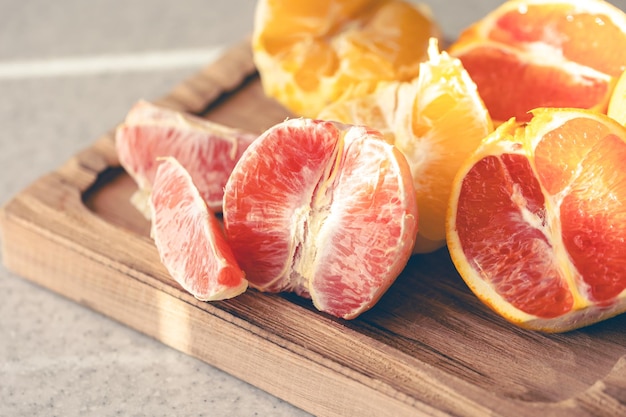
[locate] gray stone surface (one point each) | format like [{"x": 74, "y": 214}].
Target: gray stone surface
[{"x": 56, "y": 357}]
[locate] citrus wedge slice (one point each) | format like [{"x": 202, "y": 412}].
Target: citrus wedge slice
[
  {"x": 207, "y": 150},
  {"x": 189, "y": 238}
]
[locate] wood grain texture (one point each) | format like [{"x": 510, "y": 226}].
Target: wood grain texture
[{"x": 429, "y": 347}]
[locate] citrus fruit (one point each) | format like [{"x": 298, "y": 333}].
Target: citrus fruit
[
  {"x": 617, "y": 103},
  {"x": 537, "y": 220},
  {"x": 207, "y": 150},
  {"x": 324, "y": 210},
  {"x": 189, "y": 238},
  {"x": 535, "y": 53},
  {"x": 436, "y": 121},
  {"x": 312, "y": 53}
]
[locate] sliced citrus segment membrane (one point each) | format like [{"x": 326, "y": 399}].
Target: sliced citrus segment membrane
[
  {"x": 310, "y": 54},
  {"x": 535, "y": 53},
  {"x": 324, "y": 210},
  {"x": 617, "y": 103},
  {"x": 537, "y": 220},
  {"x": 207, "y": 150},
  {"x": 436, "y": 121},
  {"x": 189, "y": 238}
]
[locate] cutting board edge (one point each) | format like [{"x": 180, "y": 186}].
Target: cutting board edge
[{"x": 37, "y": 254}]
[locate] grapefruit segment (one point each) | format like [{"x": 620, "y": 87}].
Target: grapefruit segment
[
  {"x": 594, "y": 214},
  {"x": 536, "y": 220},
  {"x": 207, "y": 150},
  {"x": 189, "y": 238},
  {"x": 268, "y": 199},
  {"x": 322, "y": 209}
]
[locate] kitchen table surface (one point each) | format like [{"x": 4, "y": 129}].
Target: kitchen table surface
[{"x": 69, "y": 72}]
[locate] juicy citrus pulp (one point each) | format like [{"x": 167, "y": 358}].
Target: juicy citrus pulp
[
  {"x": 535, "y": 53},
  {"x": 189, "y": 238},
  {"x": 312, "y": 53},
  {"x": 322, "y": 209},
  {"x": 436, "y": 121},
  {"x": 536, "y": 220},
  {"x": 207, "y": 150}
]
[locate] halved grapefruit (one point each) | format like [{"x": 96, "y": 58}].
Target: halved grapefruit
[
  {"x": 536, "y": 53},
  {"x": 537, "y": 220}
]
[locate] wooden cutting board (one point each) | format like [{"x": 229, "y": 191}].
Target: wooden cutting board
[{"x": 429, "y": 347}]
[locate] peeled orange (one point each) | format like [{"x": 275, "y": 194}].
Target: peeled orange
[
  {"x": 436, "y": 121},
  {"x": 312, "y": 53},
  {"x": 207, "y": 150},
  {"x": 189, "y": 238},
  {"x": 324, "y": 210},
  {"x": 535, "y": 53},
  {"x": 537, "y": 220}
]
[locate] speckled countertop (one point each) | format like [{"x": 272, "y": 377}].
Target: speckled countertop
[{"x": 69, "y": 71}]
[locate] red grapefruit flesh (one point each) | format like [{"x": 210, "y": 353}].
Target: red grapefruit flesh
[
  {"x": 527, "y": 54},
  {"x": 207, "y": 150},
  {"x": 189, "y": 238},
  {"x": 536, "y": 223},
  {"x": 322, "y": 209}
]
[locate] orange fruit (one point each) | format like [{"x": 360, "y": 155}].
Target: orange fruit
[
  {"x": 436, "y": 121},
  {"x": 207, "y": 150},
  {"x": 536, "y": 53},
  {"x": 537, "y": 220},
  {"x": 189, "y": 238},
  {"x": 310, "y": 54},
  {"x": 324, "y": 210}
]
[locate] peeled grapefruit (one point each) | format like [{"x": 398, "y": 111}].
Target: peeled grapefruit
[
  {"x": 322, "y": 209},
  {"x": 189, "y": 238},
  {"x": 537, "y": 220},
  {"x": 207, "y": 150}
]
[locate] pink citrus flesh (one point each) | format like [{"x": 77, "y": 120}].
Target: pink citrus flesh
[
  {"x": 207, "y": 150},
  {"x": 189, "y": 237},
  {"x": 536, "y": 220},
  {"x": 324, "y": 210}
]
